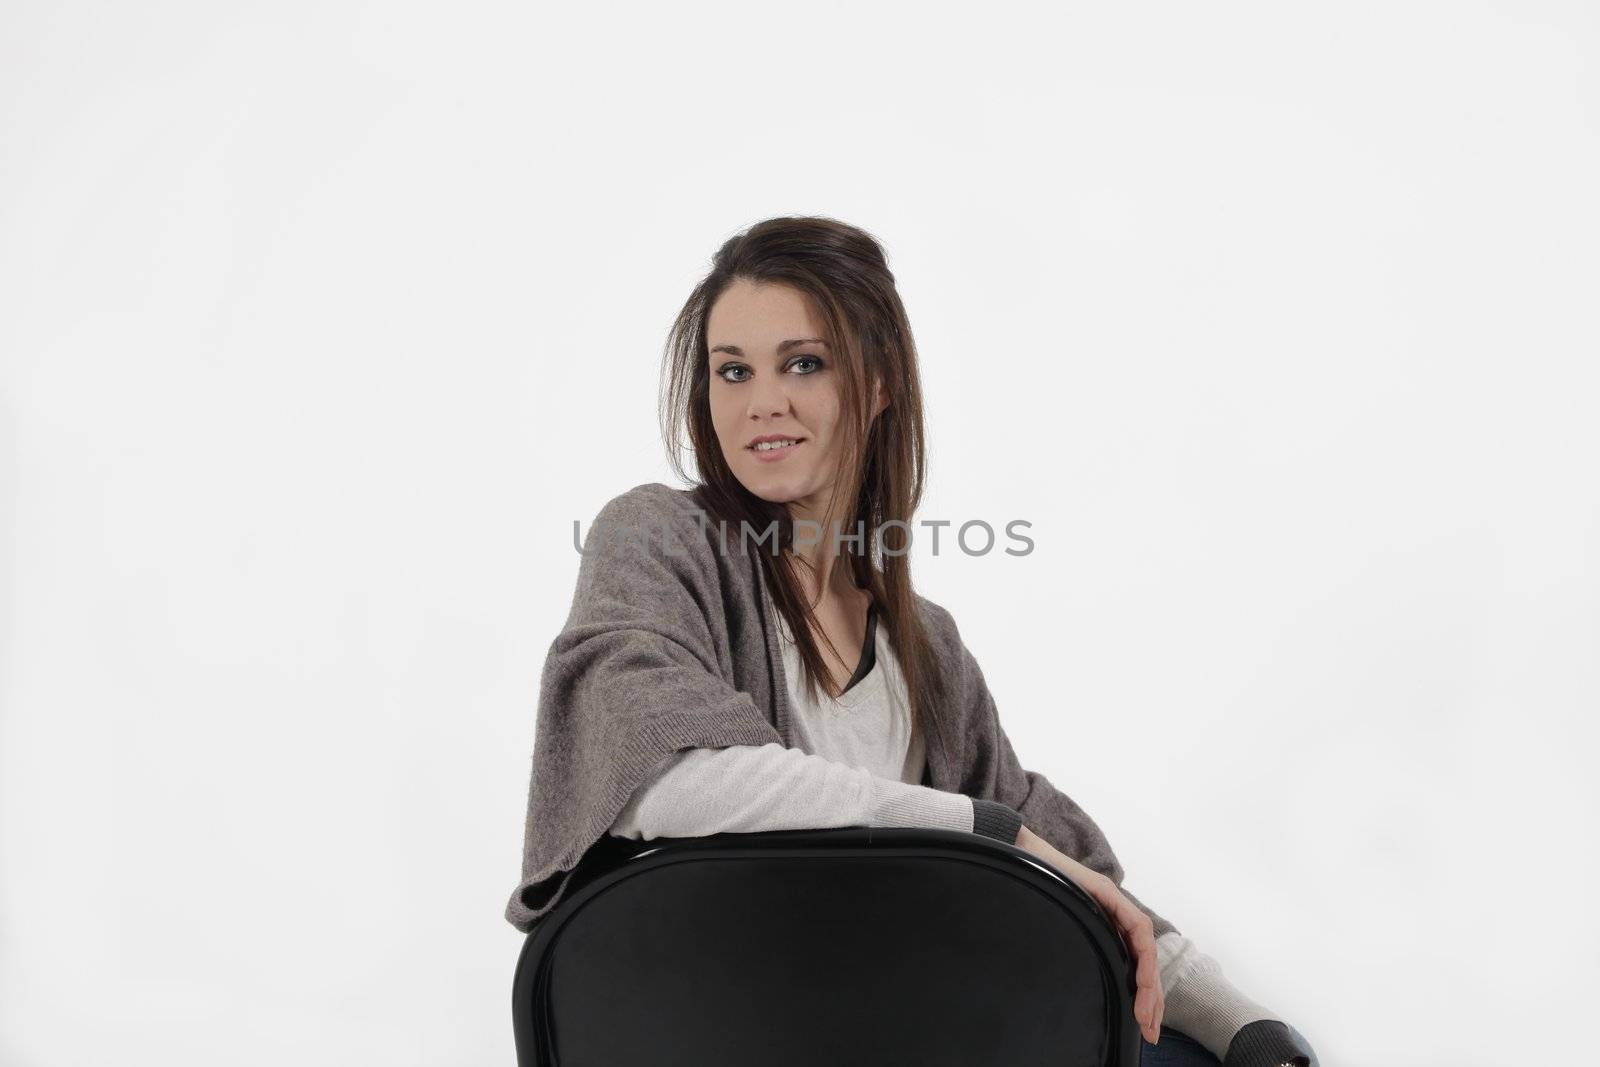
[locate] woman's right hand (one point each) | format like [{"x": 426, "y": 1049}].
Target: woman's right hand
[{"x": 1149, "y": 1002}]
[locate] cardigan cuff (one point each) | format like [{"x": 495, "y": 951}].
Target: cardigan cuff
[
  {"x": 994, "y": 819},
  {"x": 1266, "y": 1043}
]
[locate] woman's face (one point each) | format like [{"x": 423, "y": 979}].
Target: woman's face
[{"x": 773, "y": 375}]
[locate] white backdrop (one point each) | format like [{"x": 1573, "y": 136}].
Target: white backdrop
[{"x": 324, "y": 321}]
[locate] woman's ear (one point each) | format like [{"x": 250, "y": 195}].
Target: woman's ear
[{"x": 881, "y": 400}]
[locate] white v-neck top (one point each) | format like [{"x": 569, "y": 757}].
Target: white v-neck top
[{"x": 868, "y": 725}]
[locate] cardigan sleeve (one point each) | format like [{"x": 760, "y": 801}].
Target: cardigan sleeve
[
  {"x": 753, "y": 788},
  {"x": 638, "y": 672}
]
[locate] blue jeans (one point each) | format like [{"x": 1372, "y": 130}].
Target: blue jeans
[{"x": 1180, "y": 1050}]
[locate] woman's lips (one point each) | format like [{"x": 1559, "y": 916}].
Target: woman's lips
[{"x": 772, "y": 455}]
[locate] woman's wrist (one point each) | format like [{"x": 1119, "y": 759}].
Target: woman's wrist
[{"x": 1032, "y": 842}]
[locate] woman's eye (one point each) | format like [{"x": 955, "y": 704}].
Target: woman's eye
[{"x": 812, "y": 364}]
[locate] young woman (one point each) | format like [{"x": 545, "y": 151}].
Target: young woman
[{"x": 797, "y": 679}]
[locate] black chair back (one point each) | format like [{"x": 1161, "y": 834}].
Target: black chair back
[{"x": 838, "y": 947}]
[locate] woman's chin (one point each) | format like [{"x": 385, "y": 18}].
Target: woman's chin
[
  {"x": 774, "y": 490},
  {"x": 775, "y": 487}
]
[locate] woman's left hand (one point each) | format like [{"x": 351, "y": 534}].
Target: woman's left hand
[{"x": 1149, "y": 1001}]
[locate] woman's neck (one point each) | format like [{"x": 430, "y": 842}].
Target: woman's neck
[
  {"x": 821, "y": 550},
  {"x": 839, "y": 583}
]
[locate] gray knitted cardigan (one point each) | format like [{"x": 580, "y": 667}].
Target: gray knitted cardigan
[{"x": 667, "y": 646}]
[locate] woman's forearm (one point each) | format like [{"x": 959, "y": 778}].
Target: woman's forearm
[{"x": 750, "y": 789}]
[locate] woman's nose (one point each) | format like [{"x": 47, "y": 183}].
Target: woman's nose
[{"x": 768, "y": 398}]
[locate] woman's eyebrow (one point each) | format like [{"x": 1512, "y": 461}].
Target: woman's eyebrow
[{"x": 734, "y": 350}]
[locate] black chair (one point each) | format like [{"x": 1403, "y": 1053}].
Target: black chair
[{"x": 823, "y": 947}]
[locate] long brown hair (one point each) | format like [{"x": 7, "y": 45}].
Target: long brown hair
[{"x": 842, "y": 269}]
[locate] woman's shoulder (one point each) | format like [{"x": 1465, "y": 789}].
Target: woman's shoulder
[
  {"x": 654, "y": 505},
  {"x": 957, "y": 665},
  {"x": 652, "y": 498},
  {"x": 939, "y": 624},
  {"x": 650, "y": 519}
]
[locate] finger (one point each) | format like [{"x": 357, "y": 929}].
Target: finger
[
  {"x": 1141, "y": 1015},
  {"x": 1148, "y": 966},
  {"x": 1142, "y": 943},
  {"x": 1144, "y": 1001},
  {"x": 1149, "y": 1002}
]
